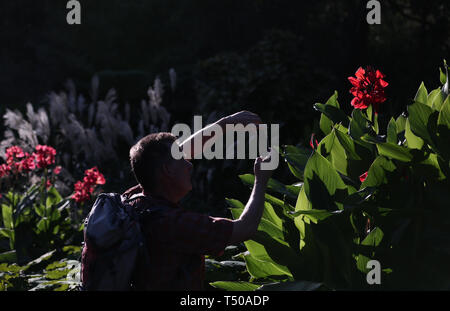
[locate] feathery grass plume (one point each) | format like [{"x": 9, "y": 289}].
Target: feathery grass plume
[
  {"x": 173, "y": 79},
  {"x": 58, "y": 108},
  {"x": 39, "y": 122}
]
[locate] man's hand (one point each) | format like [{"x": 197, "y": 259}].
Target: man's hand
[
  {"x": 244, "y": 117},
  {"x": 247, "y": 224},
  {"x": 261, "y": 176}
]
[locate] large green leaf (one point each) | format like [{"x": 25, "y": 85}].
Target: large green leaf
[
  {"x": 323, "y": 185},
  {"x": 316, "y": 215},
  {"x": 422, "y": 94},
  {"x": 261, "y": 269},
  {"x": 296, "y": 159},
  {"x": 414, "y": 142},
  {"x": 235, "y": 286},
  {"x": 395, "y": 152},
  {"x": 7, "y": 215},
  {"x": 348, "y": 145},
  {"x": 392, "y": 132},
  {"x": 325, "y": 123},
  {"x": 332, "y": 150},
  {"x": 334, "y": 114},
  {"x": 401, "y": 123},
  {"x": 436, "y": 98},
  {"x": 273, "y": 184},
  {"x": 419, "y": 117},
  {"x": 377, "y": 172},
  {"x": 53, "y": 197}
]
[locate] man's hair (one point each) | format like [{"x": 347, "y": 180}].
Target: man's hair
[{"x": 148, "y": 155}]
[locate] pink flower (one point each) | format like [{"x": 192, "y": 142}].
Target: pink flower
[
  {"x": 27, "y": 164},
  {"x": 45, "y": 156},
  {"x": 4, "y": 170},
  {"x": 83, "y": 189},
  {"x": 57, "y": 170},
  {"x": 13, "y": 153},
  {"x": 93, "y": 177}
]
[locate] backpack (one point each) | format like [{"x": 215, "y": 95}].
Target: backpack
[{"x": 113, "y": 243}]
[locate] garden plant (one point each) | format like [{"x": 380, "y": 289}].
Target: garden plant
[{"x": 362, "y": 194}]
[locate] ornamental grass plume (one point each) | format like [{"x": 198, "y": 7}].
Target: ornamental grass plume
[{"x": 368, "y": 88}]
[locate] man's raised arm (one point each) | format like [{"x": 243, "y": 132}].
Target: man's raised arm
[
  {"x": 247, "y": 224},
  {"x": 242, "y": 117}
]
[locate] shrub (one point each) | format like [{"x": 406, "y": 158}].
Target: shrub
[{"x": 361, "y": 196}]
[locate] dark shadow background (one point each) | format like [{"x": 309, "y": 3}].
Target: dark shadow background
[{"x": 274, "y": 57}]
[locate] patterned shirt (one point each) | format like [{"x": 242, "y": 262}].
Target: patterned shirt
[{"x": 177, "y": 241}]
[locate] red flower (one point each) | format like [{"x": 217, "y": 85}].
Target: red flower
[
  {"x": 83, "y": 189},
  {"x": 57, "y": 170},
  {"x": 312, "y": 141},
  {"x": 48, "y": 184},
  {"x": 4, "y": 170},
  {"x": 363, "y": 177},
  {"x": 45, "y": 156},
  {"x": 82, "y": 192},
  {"x": 27, "y": 164},
  {"x": 93, "y": 177},
  {"x": 14, "y": 153},
  {"x": 368, "y": 88}
]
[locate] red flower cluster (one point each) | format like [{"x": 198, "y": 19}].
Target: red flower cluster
[
  {"x": 18, "y": 161},
  {"x": 83, "y": 189},
  {"x": 45, "y": 156},
  {"x": 368, "y": 88}
]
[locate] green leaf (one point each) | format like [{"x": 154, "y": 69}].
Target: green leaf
[
  {"x": 235, "y": 204},
  {"x": 392, "y": 132},
  {"x": 291, "y": 286},
  {"x": 7, "y": 233},
  {"x": 316, "y": 215},
  {"x": 442, "y": 76},
  {"x": 43, "y": 225},
  {"x": 325, "y": 123},
  {"x": 53, "y": 197},
  {"x": 40, "y": 209},
  {"x": 419, "y": 118},
  {"x": 401, "y": 123},
  {"x": 323, "y": 185},
  {"x": 377, "y": 172},
  {"x": 296, "y": 159},
  {"x": 348, "y": 145},
  {"x": 8, "y": 257},
  {"x": 334, "y": 114},
  {"x": 422, "y": 94},
  {"x": 373, "y": 238},
  {"x": 261, "y": 269},
  {"x": 273, "y": 185},
  {"x": 414, "y": 142},
  {"x": 358, "y": 124},
  {"x": 332, "y": 150},
  {"x": 436, "y": 98},
  {"x": 7, "y": 215},
  {"x": 395, "y": 152},
  {"x": 235, "y": 286}
]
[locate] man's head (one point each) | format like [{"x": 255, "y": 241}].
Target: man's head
[{"x": 156, "y": 170}]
